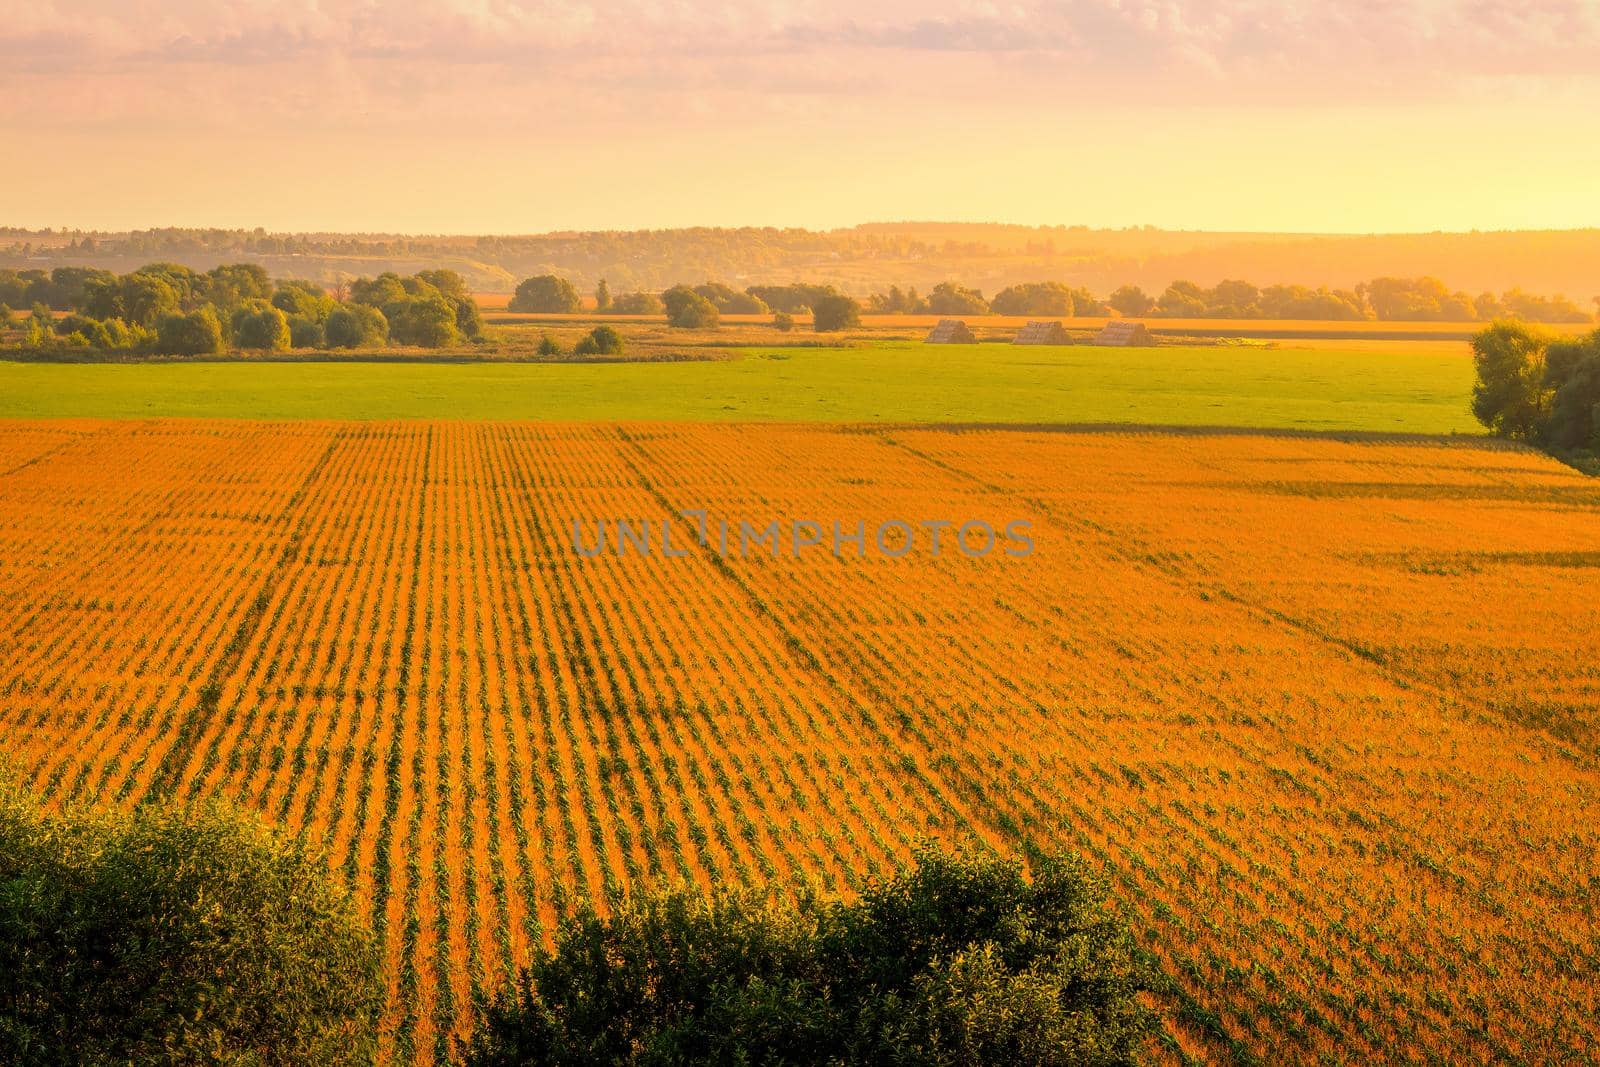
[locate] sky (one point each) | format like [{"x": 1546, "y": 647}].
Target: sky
[{"x": 500, "y": 116}]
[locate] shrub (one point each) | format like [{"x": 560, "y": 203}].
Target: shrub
[
  {"x": 356, "y": 326},
  {"x": 688, "y": 310},
  {"x": 175, "y": 937},
  {"x": 304, "y": 299},
  {"x": 198, "y": 333},
  {"x": 962, "y": 960},
  {"x": 640, "y": 303},
  {"x": 306, "y": 333},
  {"x": 600, "y": 341},
  {"x": 546, "y": 293},
  {"x": 548, "y": 346},
  {"x": 835, "y": 312},
  {"x": 783, "y": 321}
]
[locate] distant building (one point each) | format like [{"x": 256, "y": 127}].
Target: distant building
[
  {"x": 1123, "y": 334},
  {"x": 951, "y": 332},
  {"x": 1043, "y": 333}
]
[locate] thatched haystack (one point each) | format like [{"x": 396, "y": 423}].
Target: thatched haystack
[
  {"x": 951, "y": 332},
  {"x": 1124, "y": 334},
  {"x": 1043, "y": 332}
]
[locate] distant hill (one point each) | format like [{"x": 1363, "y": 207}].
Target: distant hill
[{"x": 864, "y": 258}]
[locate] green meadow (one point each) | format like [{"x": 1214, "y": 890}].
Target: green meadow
[{"x": 1400, "y": 388}]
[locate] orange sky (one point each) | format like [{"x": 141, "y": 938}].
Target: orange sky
[{"x": 498, "y": 116}]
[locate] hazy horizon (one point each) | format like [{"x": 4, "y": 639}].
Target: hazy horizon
[{"x": 477, "y": 117}]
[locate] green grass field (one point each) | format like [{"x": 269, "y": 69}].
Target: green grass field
[{"x": 1403, "y": 388}]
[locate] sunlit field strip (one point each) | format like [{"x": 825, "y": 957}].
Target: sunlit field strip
[{"x": 379, "y": 636}]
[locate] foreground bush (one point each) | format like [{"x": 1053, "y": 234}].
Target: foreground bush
[
  {"x": 962, "y": 960},
  {"x": 170, "y": 937}
]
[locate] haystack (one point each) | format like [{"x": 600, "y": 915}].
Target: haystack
[
  {"x": 1043, "y": 333},
  {"x": 951, "y": 332},
  {"x": 1123, "y": 334}
]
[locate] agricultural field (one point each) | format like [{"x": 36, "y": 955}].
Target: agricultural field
[
  {"x": 1327, "y": 711},
  {"x": 1405, "y": 387}
]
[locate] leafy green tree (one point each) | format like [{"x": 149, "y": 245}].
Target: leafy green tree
[
  {"x": 377, "y": 292},
  {"x": 449, "y": 284},
  {"x": 545, "y": 294},
  {"x": 835, "y": 312},
  {"x": 199, "y": 333},
  {"x": 640, "y": 303},
  {"x": 306, "y": 333},
  {"x": 602, "y": 296},
  {"x": 189, "y": 287},
  {"x": 356, "y": 326},
  {"x": 1510, "y": 396},
  {"x": 427, "y": 322},
  {"x": 304, "y": 299},
  {"x": 948, "y": 298},
  {"x": 729, "y": 301},
  {"x": 962, "y": 960},
  {"x": 783, "y": 320},
  {"x": 142, "y": 298},
  {"x": 688, "y": 310},
  {"x": 1182, "y": 300},
  {"x": 469, "y": 319},
  {"x": 235, "y": 284},
  {"x": 265, "y": 329},
  {"x": 601, "y": 341},
  {"x": 6, "y": 317},
  {"x": 1037, "y": 298},
  {"x": 1572, "y": 374},
  {"x": 796, "y": 298},
  {"x": 175, "y": 937}
]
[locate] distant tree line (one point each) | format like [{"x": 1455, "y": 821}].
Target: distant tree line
[
  {"x": 1422, "y": 299},
  {"x": 698, "y": 307},
  {"x": 1536, "y": 388},
  {"x": 168, "y": 309}
]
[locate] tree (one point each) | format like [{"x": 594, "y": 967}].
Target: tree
[
  {"x": 730, "y": 301},
  {"x": 600, "y": 341},
  {"x": 1510, "y": 396},
  {"x": 835, "y": 312},
  {"x": 688, "y": 310},
  {"x": 305, "y": 299},
  {"x": 1038, "y": 298},
  {"x": 377, "y": 292},
  {"x": 640, "y": 303},
  {"x": 450, "y": 284},
  {"x": 233, "y": 285},
  {"x": 1182, "y": 300},
  {"x": 962, "y": 960},
  {"x": 306, "y": 333},
  {"x": 263, "y": 327},
  {"x": 548, "y": 346},
  {"x": 178, "y": 937},
  {"x": 546, "y": 294},
  {"x": 141, "y": 298},
  {"x": 783, "y": 320},
  {"x": 602, "y": 296},
  {"x": 948, "y": 298},
  {"x": 356, "y": 326},
  {"x": 1572, "y": 374},
  {"x": 428, "y": 322},
  {"x": 198, "y": 333}
]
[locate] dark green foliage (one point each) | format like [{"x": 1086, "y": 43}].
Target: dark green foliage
[
  {"x": 783, "y": 321},
  {"x": 897, "y": 302},
  {"x": 1510, "y": 396},
  {"x": 948, "y": 298},
  {"x": 198, "y": 333},
  {"x": 305, "y": 300},
  {"x": 835, "y": 312},
  {"x": 962, "y": 960},
  {"x": 377, "y": 292},
  {"x": 264, "y": 328},
  {"x": 106, "y": 334},
  {"x": 306, "y": 333},
  {"x": 1046, "y": 298},
  {"x": 796, "y": 298},
  {"x": 169, "y": 937},
  {"x": 548, "y": 346},
  {"x": 640, "y": 303},
  {"x": 447, "y": 282},
  {"x": 425, "y": 321},
  {"x": 602, "y": 296},
  {"x": 356, "y": 326},
  {"x": 546, "y": 293},
  {"x": 234, "y": 285},
  {"x": 140, "y": 299},
  {"x": 1572, "y": 374},
  {"x": 1131, "y": 301},
  {"x": 730, "y": 301},
  {"x": 601, "y": 341},
  {"x": 688, "y": 310}
]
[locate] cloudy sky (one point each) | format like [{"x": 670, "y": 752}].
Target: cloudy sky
[{"x": 509, "y": 116}]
